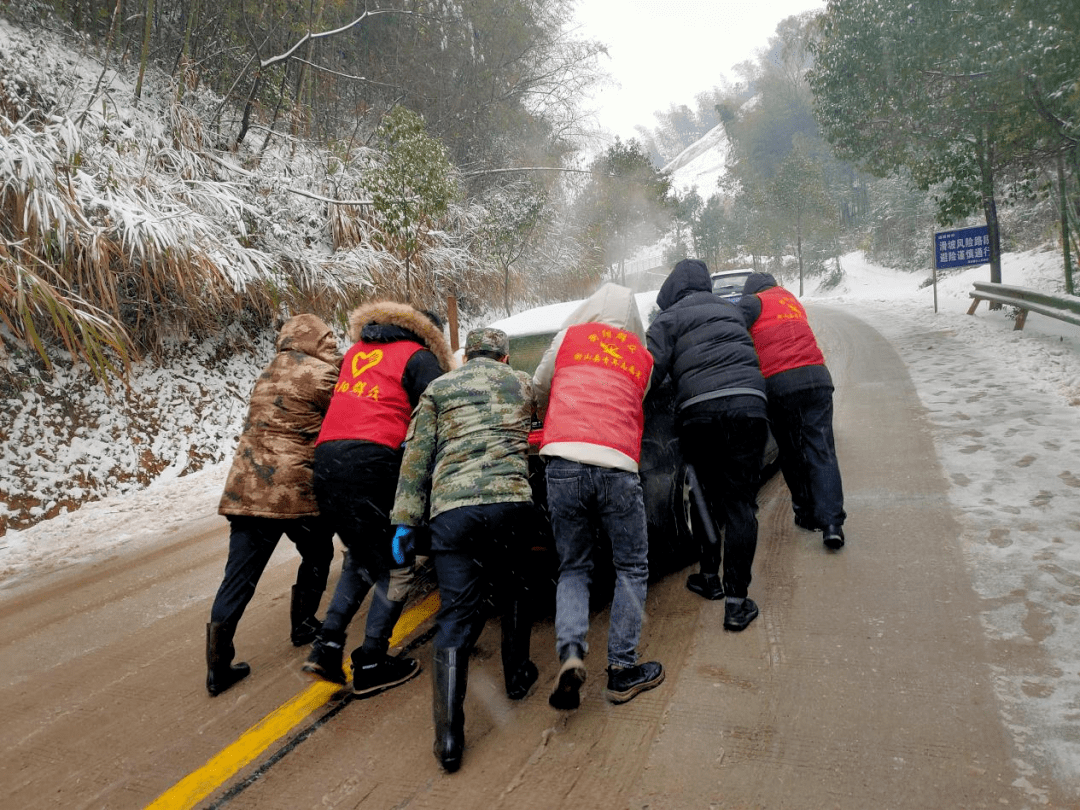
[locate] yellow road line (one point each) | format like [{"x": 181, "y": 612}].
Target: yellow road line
[{"x": 199, "y": 784}]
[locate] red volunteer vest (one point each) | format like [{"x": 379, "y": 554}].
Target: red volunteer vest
[
  {"x": 601, "y": 374},
  {"x": 782, "y": 337},
  {"x": 369, "y": 402}
]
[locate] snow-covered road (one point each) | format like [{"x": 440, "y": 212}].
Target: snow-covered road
[{"x": 1005, "y": 410}]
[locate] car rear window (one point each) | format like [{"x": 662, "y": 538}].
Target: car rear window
[{"x": 729, "y": 284}]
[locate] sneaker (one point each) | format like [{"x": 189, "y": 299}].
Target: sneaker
[
  {"x": 708, "y": 586},
  {"x": 834, "y": 537},
  {"x": 807, "y": 523},
  {"x": 738, "y": 613},
  {"x": 624, "y": 683},
  {"x": 567, "y": 694},
  {"x": 376, "y": 672}
]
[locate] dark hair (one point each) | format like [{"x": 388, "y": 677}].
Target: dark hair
[{"x": 434, "y": 318}]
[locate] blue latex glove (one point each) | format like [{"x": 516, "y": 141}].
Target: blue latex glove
[{"x": 403, "y": 546}]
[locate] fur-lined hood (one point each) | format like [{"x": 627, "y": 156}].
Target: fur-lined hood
[{"x": 403, "y": 316}]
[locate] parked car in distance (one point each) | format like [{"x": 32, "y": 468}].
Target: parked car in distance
[
  {"x": 664, "y": 478},
  {"x": 728, "y": 284}
]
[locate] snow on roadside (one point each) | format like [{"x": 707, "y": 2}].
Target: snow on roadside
[
  {"x": 1005, "y": 410},
  {"x": 1004, "y": 407}
]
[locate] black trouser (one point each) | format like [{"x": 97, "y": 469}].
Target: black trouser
[
  {"x": 478, "y": 551},
  {"x": 252, "y": 541},
  {"x": 726, "y": 453},
  {"x": 355, "y": 483},
  {"x": 802, "y": 425}
]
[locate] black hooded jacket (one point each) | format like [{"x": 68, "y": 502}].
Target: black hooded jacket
[
  {"x": 701, "y": 340},
  {"x": 792, "y": 380},
  {"x": 750, "y": 304}
]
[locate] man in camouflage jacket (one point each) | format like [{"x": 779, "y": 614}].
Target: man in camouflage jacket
[
  {"x": 269, "y": 491},
  {"x": 465, "y": 475}
]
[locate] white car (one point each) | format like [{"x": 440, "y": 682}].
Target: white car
[{"x": 728, "y": 284}]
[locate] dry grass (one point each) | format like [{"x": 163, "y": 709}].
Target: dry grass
[{"x": 109, "y": 247}]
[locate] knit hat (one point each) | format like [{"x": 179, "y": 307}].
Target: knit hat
[{"x": 487, "y": 339}]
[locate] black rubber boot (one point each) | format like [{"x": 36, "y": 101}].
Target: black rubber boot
[
  {"x": 305, "y": 627},
  {"x": 519, "y": 673},
  {"x": 450, "y": 678},
  {"x": 221, "y": 673},
  {"x": 327, "y": 653}
]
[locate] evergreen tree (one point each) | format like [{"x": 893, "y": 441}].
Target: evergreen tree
[
  {"x": 626, "y": 203},
  {"x": 412, "y": 188},
  {"x": 926, "y": 87}
]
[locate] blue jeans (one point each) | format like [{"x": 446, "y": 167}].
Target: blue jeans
[{"x": 580, "y": 496}]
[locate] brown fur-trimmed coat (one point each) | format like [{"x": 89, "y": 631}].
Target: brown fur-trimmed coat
[
  {"x": 271, "y": 471},
  {"x": 392, "y": 313}
]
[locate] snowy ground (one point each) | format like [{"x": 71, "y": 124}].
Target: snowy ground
[{"x": 1005, "y": 407}]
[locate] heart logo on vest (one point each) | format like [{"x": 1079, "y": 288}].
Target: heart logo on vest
[{"x": 373, "y": 359}]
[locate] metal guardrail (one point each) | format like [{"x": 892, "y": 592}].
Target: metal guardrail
[{"x": 1053, "y": 305}]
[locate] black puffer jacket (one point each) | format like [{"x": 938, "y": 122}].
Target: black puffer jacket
[{"x": 702, "y": 342}]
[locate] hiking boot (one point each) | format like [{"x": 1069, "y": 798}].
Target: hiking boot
[
  {"x": 567, "y": 694},
  {"x": 324, "y": 660},
  {"x": 376, "y": 672},
  {"x": 834, "y": 537},
  {"x": 624, "y": 683},
  {"x": 738, "y": 613},
  {"x": 707, "y": 586}
]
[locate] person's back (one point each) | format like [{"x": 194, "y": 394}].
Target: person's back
[
  {"x": 592, "y": 381},
  {"x": 464, "y": 476},
  {"x": 701, "y": 341},
  {"x": 800, "y": 391},
  {"x": 483, "y": 412},
  {"x": 269, "y": 492}
]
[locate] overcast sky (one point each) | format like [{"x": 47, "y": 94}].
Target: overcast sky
[{"x": 668, "y": 51}]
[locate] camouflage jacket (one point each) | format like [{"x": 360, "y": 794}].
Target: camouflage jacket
[
  {"x": 271, "y": 471},
  {"x": 467, "y": 444}
]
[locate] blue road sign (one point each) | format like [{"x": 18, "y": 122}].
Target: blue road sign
[{"x": 961, "y": 247}]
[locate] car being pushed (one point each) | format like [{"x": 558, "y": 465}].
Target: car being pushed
[
  {"x": 665, "y": 478},
  {"x": 728, "y": 284}
]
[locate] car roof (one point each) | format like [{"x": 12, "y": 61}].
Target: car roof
[
  {"x": 550, "y": 318},
  {"x": 532, "y": 331}
]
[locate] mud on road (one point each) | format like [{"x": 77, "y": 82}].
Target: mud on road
[{"x": 863, "y": 684}]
